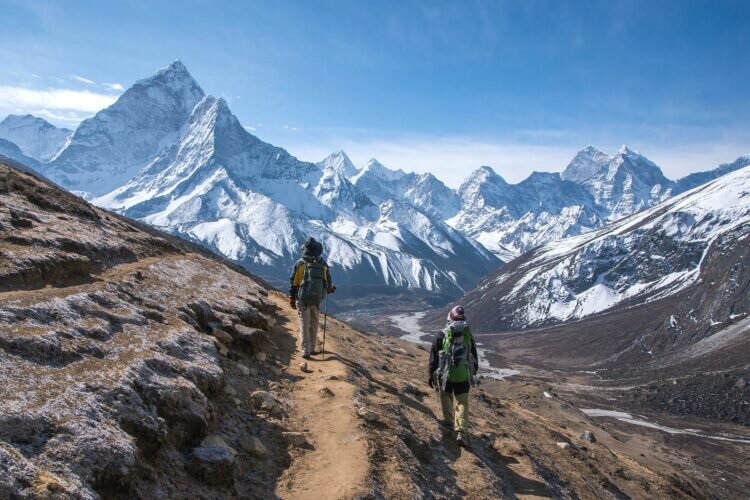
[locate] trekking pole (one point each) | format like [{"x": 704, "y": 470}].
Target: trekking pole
[{"x": 325, "y": 321}]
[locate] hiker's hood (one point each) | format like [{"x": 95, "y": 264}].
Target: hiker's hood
[
  {"x": 457, "y": 326},
  {"x": 311, "y": 248}
]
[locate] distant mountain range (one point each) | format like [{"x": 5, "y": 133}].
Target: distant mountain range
[
  {"x": 170, "y": 155},
  {"x": 695, "y": 246}
]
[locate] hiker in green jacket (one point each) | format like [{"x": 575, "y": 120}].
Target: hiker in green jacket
[
  {"x": 308, "y": 286},
  {"x": 453, "y": 370}
]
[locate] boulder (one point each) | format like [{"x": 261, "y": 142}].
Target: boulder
[
  {"x": 588, "y": 437},
  {"x": 213, "y": 461},
  {"x": 264, "y": 400},
  {"x": 296, "y": 439},
  {"x": 244, "y": 370},
  {"x": 253, "y": 446}
]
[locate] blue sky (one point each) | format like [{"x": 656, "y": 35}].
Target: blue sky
[{"x": 439, "y": 86}]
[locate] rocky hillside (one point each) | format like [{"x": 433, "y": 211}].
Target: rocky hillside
[{"x": 136, "y": 365}]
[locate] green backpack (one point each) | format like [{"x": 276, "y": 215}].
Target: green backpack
[
  {"x": 457, "y": 349},
  {"x": 312, "y": 289}
]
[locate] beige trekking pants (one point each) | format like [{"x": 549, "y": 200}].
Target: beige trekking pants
[
  {"x": 308, "y": 327},
  {"x": 458, "y": 416}
]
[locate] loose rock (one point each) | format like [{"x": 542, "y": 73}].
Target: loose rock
[
  {"x": 263, "y": 400},
  {"x": 296, "y": 439},
  {"x": 368, "y": 415},
  {"x": 588, "y": 437},
  {"x": 260, "y": 356},
  {"x": 213, "y": 461},
  {"x": 253, "y": 446},
  {"x": 244, "y": 370},
  {"x": 563, "y": 446},
  {"x": 325, "y": 392}
]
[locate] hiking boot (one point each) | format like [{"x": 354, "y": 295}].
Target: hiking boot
[
  {"x": 462, "y": 440},
  {"x": 305, "y": 356}
]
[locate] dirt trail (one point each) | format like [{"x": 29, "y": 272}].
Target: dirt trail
[
  {"x": 335, "y": 465},
  {"x": 400, "y": 452}
]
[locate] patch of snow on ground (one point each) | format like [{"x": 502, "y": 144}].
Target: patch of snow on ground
[
  {"x": 409, "y": 322},
  {"x": 628, "y": 418}
]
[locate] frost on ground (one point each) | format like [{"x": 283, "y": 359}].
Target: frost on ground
[{"x": 110, "y": 349}]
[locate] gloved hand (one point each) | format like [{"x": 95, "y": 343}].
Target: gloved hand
[
  {"x": 293, "y": 302},
  {"x": 431, "y": 381},
  {"x": 331, "y": 289}
]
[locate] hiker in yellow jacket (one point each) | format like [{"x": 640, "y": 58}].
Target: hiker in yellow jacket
[{"x": 309, "y": 284}]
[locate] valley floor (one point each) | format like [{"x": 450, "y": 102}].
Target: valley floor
[{"x": 705, "y": 451}]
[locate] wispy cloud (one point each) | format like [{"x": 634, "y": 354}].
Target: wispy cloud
[
  {"x": 54, "y": 99},
  {"x": 250, "y": 128},
  {"x": 114, "y": 86},
  {"x": 66, "y": 117},
  {"x": 83, "y": 80}
]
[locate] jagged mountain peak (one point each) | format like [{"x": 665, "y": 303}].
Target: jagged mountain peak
[
  {"x": 339, "y": 161},
  {"x": 483, "y": 174},
  {"x": 176, "y": 81},
  {"x": 587, "y": 163},
  {"x": 175, "y": 73},
  {"x": 639, "y": 165},
  {"x": 111, "y": 147},
  {"x": 374, "y": 167}
]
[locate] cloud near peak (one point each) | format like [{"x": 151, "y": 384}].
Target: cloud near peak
[{"x": 53, "y": 100}]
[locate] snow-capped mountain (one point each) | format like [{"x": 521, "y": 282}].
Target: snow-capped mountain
[
  {"x": 11, "y": 150},
  {"x": 111, "y": 147},
  {"x": 340, "y": 163},
  {"x": 37, "y": 138},
  {"x": 623, "y": 184},
  {"x": 593, "y": 190},
  {"x": 696, "y": 179},
  {"x": 695, "y": 240},
  {"x": 511, "y": 218},
  {"x": 168, "y": 154},
  {"x": 253, "y": 202},
  {"x": 380, "y": 183}
]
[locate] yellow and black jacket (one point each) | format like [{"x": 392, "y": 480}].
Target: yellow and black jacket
[{"x": 298, "y": 274}]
